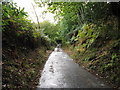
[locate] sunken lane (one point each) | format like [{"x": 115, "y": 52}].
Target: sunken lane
[{"x": 60, "y": 71}]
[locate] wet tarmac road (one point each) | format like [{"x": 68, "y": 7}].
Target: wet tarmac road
[{"x": 60, "y": 71}]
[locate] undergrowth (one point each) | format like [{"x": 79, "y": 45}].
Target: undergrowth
[
  {"x": 97, "y": 48},
  {"x": 20, "y": 70}
]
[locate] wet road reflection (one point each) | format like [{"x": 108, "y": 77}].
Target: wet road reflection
[{"x": 60, "y": 71}]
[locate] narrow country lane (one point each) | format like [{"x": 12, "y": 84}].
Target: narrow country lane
[{"x": 60, "y": 71}]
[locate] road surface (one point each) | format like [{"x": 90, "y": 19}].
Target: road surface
[{"x": 60, "y": 71}]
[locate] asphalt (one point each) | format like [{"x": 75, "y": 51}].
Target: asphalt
[{"x": 60, "y": 71}]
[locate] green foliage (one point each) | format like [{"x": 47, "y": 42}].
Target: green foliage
[
  {"x": 50, "y": 30},
  {"x": 19, "y": 39},
  {"x": 12, "y": 14},
  {"x": 18, "y": 29},
  {"x": 66, "y": 13},
  {"x": 87, "y": 35},
  {"x": 15, "y": 26},
  {"x": 74, "y": 14}
]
